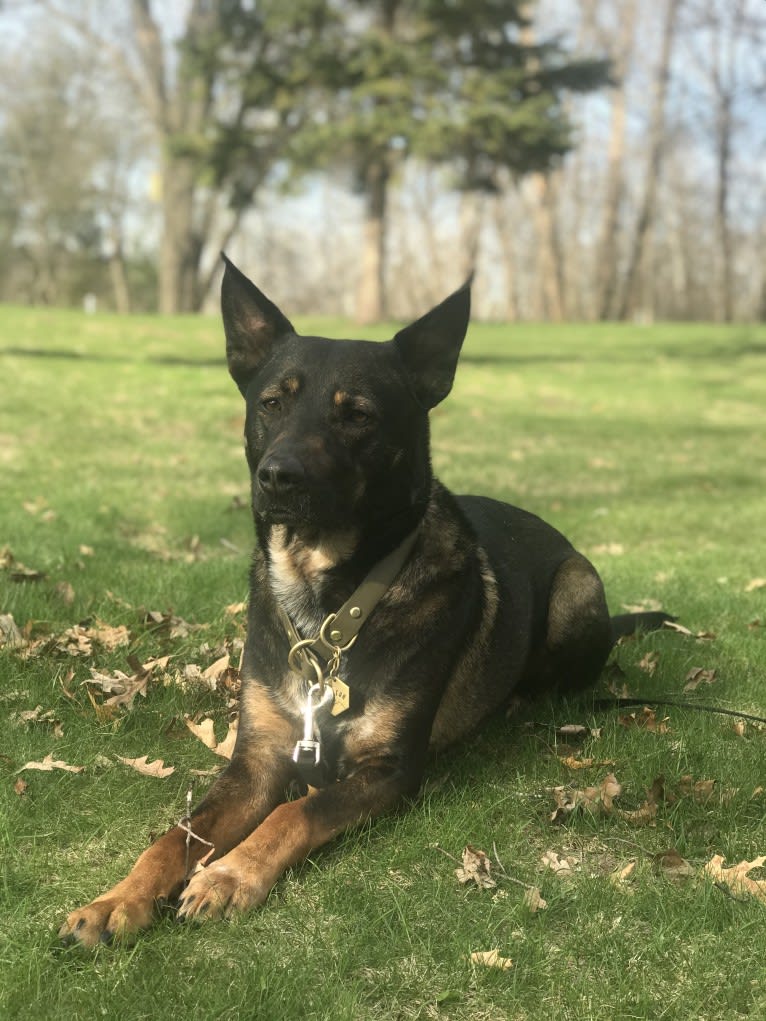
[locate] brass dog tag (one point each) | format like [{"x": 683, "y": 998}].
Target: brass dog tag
[{"x": 341, "y": 692}]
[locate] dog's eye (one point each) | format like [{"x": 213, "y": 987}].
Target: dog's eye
[
  {"x": 357, "y": 417},
  {"x": 271, "y": 403}
]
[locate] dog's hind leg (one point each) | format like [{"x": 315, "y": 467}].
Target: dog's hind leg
[{"x": 579, "y": 632}]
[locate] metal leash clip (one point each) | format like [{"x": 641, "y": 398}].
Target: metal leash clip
[{"x": 307, "y": 751}]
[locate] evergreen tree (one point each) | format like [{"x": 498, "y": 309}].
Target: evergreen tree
[{"x": 448, "y": 81}]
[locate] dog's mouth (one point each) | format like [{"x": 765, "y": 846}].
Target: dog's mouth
[{"x": 306, "y": 510}]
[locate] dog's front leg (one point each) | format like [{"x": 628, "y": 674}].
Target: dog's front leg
[
  {"x": 243, "y": 878},
  {"x": 253, "y": 784}
]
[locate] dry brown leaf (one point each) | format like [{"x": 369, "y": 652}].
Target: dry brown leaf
[
  {"x": 109, "y": 637},
  {"x": 647, "y": 813},
  {"x": 590, "y": 799},
  {"x": 557, "y": 863},
  {"x": 671, "y": 865},
  {"x": 701, "y": 790},
  {"x": 10, "y": 636},
  {"x": 215, "y": 671},
  {"x": 175, "y": 627},
  {"x": 647, "y": 720},
  {"x": 643, "y": 816},
  {"x": 648, "y": 663},
  {"x": 621, "y": 875},
  {"x": 533, "y": 901},
  {"x": 160, "y": 663},
  {"x": 49, "y": 763},
  {"x": 491, "y": 959},
  {"x": 697, "y": 676},
  {"x": 65, "y": 592},
  {"x": 754, "y": 584},
  {"x": 573, "y": 762},
  {"x": 20, "y": 787},
  {"x": 206, "y": 734},
  {"x": 701, "y": 636},
  {"x": 617, "y": 681},
  {"x": 737, "y": 877},
  {"x": 124, "y": 688},
  {"x": 233, "y": 609},
  {"x": 476, "y": 868},
  {"x": 204, "y": 731},
  {"x": 75, "y": 641},
  {"x": 578, "y": 730},
  {"x": 156, "y": 768}
]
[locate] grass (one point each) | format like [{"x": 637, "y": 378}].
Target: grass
[{"x": 122, "y": 471}]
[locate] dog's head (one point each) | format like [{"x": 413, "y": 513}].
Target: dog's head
[{"x": 337, "y": 431}]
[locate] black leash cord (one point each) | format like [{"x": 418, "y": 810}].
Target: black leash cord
[{"x": 610, "y": 703}]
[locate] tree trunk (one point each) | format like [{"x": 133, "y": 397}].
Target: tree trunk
[
  {"x": 119, "y": 279},
  {"x": 371, "y": 305},
  {"x": 656, "y": 143},
  {"x": 180, "y": 249},
  {"x": 550, "y": 274},
  {"x": 505, "y": 234},
  {"x": 606, "y": 268}
]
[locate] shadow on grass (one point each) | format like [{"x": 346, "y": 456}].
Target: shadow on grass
[{"x": 80, "y": 356}]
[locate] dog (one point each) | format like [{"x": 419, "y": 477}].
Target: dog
[{"x": 387, "y": 617}]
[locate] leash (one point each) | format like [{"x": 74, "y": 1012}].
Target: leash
[
  {"x": 318, "y": 659},
  {"x": 610, "y": 703}
]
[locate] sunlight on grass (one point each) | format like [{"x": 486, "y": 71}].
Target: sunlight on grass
[{"x": 124, "y": 482}]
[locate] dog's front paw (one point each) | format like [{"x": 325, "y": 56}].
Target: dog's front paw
[
  {"x": 219, "y": 890},
  {"x": 106, "y": 919}
]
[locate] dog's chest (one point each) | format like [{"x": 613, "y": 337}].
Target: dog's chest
[{"x": 297, "y": 578}]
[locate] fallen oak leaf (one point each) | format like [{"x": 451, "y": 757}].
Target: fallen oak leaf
[
  {"x": 141, "y": 765},
  {"x": 49, "y": 763},
  {"x": 578, "y": 730},
  {"x": 206, "y": 734},
  {"x": 533, "y": 901},
  {"x": 10, "y": 636},
  {"x": 216, "y": 670},
  {"x": 110, "y": 637},
  {"x": 696, "y": 676},
  {"x": 737, "y": 878},
  {"x": 647, "y": 721},
  {"x": 647, "y": 813},
  {"x": 622, "y": 874},
  {"x": 491, "y": 959},
  {"x": 573, "y": 762},
  {"x": 701, "y": 790},
  {"x": 557, "y": 863},
  {"x": 648, "y": 663},
  {"x": 701, "y": 636},
  {"x": 590, "y": 799},
  {"x": 204, "y": 731},
  {"x": 121, "y": 687},
  {"x": 476, "y": 868}
]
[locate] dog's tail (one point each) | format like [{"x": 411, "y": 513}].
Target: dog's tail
[{"x": 628, "y": 623}]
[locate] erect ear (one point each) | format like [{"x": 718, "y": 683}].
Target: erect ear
[
  {"x": 251, "y": 322},
  {"x": 430, "y": 346}
]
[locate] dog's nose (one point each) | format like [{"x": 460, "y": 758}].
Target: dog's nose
[{"x": 279, "y": 475}]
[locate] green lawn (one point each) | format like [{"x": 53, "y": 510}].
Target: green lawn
[{"x": 122, "y": 479}]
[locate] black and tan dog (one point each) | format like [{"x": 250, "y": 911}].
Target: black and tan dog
[{"x": 412, "y": 615}]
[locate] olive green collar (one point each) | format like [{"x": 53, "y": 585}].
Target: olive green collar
[{"x": 339, "y": 630}]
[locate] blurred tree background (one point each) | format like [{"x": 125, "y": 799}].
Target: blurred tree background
[{"x": 592, "y": 159}]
